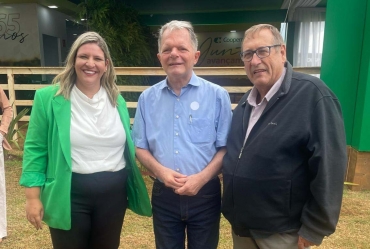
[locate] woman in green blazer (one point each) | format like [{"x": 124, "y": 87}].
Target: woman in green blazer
[{"x": 79, "y": 165}]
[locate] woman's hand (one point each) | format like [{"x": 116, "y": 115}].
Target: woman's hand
[{"x": 34, "y": 207}]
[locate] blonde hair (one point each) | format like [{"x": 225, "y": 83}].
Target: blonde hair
[{"x": 67, "y": 78}]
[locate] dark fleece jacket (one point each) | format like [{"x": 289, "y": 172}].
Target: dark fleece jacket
[{"x": 289, "y": 174}]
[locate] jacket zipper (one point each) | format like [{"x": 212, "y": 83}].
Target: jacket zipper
[{"x": 240, "y": 154}]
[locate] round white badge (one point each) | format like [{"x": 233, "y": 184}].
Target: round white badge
[{"x": 194, "y": 105}]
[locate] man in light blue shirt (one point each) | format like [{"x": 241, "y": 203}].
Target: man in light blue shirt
[{"x": 180, "y": 132}]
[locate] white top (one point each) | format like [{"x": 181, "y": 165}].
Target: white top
[{"x": 97, "y": 135}]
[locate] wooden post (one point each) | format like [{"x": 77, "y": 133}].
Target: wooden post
[
  {"x": 11, "y": 91},
  {"x": 358, "y": 171}
]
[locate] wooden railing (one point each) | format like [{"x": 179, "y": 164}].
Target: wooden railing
[{"x": 13, "y": 86}]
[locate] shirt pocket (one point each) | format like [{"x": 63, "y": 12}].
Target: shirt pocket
[{"x": 201, "y": 130}]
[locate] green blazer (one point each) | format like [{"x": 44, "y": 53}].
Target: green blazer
[{"x": 47, "y": 159}]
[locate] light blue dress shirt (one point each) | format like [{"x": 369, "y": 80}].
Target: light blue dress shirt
[{"x": 183, "y": 132}]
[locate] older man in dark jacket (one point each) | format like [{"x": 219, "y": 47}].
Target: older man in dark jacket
[{"x": 286, "y": 152}]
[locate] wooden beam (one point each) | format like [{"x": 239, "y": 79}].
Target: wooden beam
[
  {"x": 143, "y": 71},
  {"x": 23, "y": 102},
  {"x": 132, "y": 88},
  {"x": 237, "y": 89},
  {"x": 152, "y": 71}
]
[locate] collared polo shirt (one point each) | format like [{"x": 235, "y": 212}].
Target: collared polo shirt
[{"x": 183, "y": 132}]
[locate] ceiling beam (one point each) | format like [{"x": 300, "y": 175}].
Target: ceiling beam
[
  {"x": 201, "y": 6},
  {"x": 235, "y": 17}
]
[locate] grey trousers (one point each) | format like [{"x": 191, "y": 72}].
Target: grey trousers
[{"x": 275, "y": 241}]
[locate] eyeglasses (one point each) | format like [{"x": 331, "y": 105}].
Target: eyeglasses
[{"x": 261, "y": 52}]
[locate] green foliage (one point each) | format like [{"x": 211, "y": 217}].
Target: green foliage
[
  {"x": 12, "y": 130},
  {"x": 130, "y": 43}
]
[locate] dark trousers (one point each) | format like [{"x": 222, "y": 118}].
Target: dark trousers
[
  {"x": 98, "y": 206},
  {"x": 198, "y": 217}
]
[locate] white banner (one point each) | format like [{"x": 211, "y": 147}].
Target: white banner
[
  {"x": 19, "y": 36},
  {"x": 220, "y": 49}
]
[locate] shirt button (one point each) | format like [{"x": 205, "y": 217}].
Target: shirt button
[
  {"x": 177, "y": 116},
  {"x": 177, "y": 170},
  {"x": 177, "y": 134},
  {"x": 178, "y": 99},
  {"x": 177, "y": 152}
]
